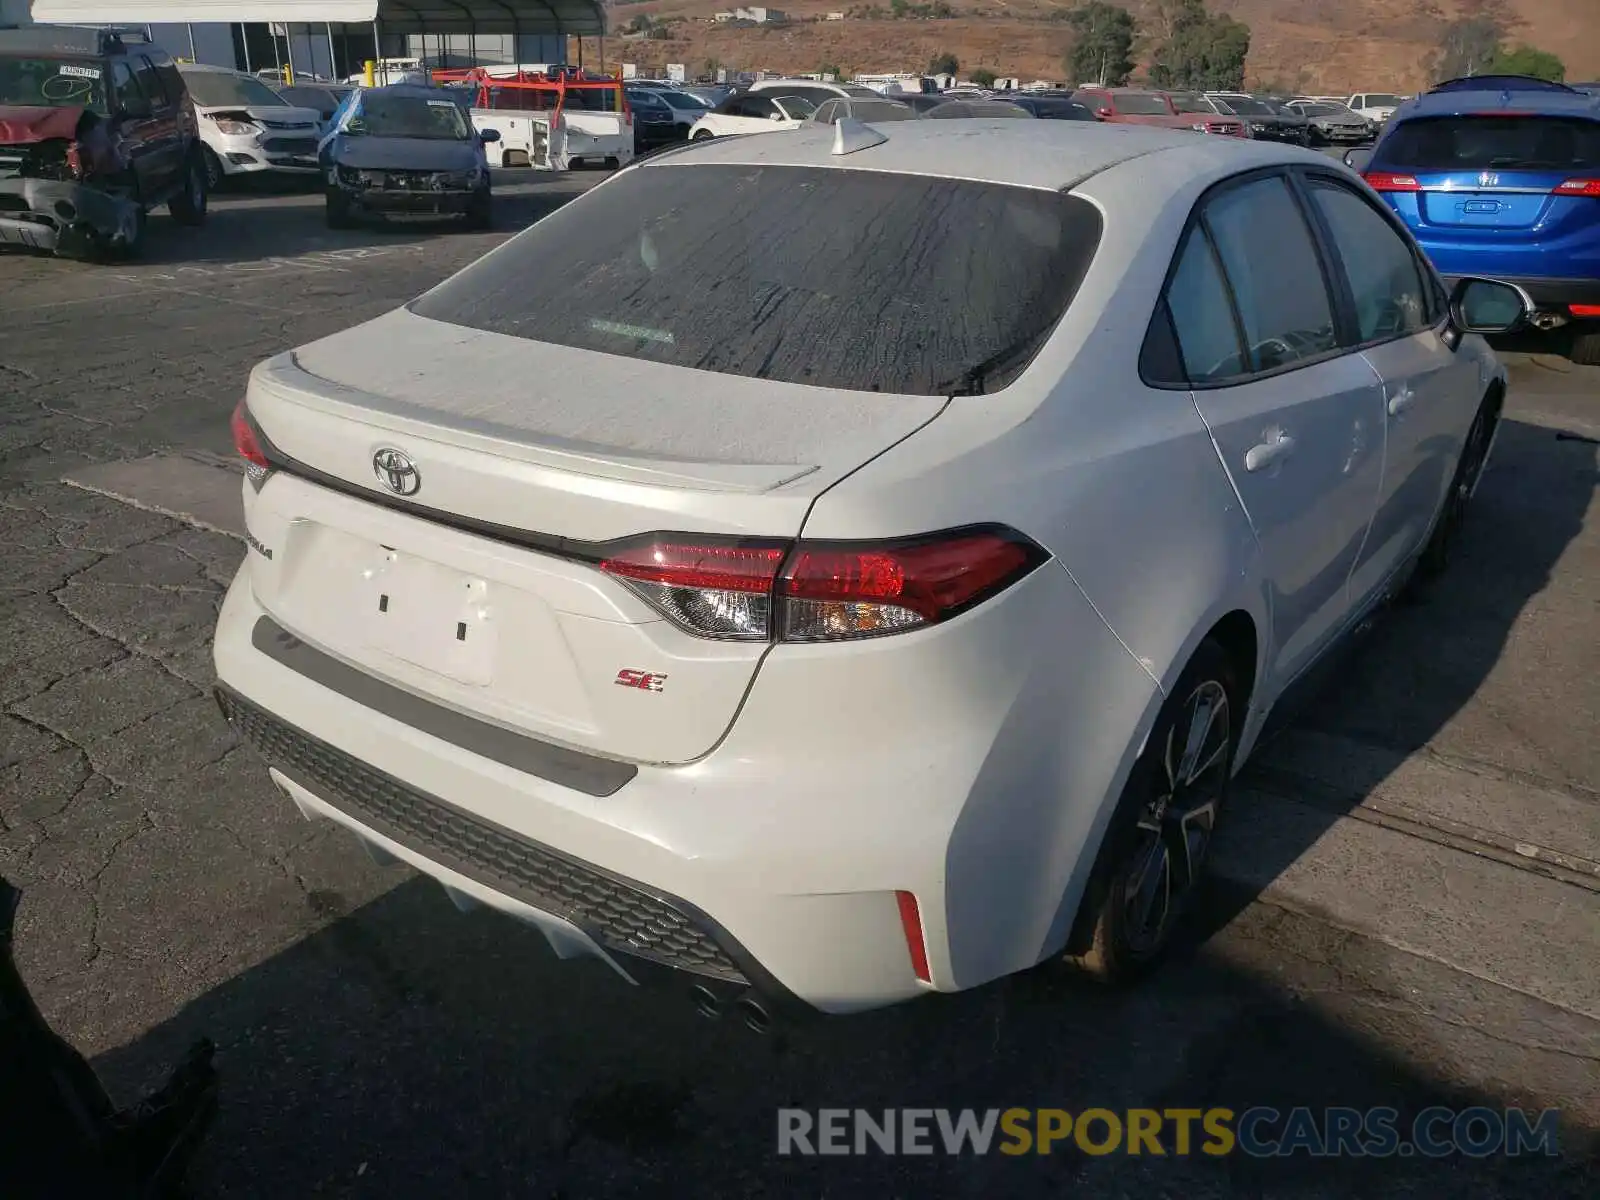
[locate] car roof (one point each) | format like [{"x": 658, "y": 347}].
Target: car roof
[
  {"x": 194, "y": 68},
  {"x": 417, "y": 91},
  {"x": 1493, "y": 100},
  {"x": 1039, "y": 154}
]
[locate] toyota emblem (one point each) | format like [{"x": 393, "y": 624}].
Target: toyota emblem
[{"x": 396, "y": 472}]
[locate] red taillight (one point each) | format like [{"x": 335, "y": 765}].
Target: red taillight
[
  {"x": 1579, "y": 187},
  {"x": 911, "y": 923},
  {"x": 821, "y": 591},
  {"x": 1382, "y": 181},
  {"x": 248, "y": 444},
  {"x": 1584, "y": 310}
]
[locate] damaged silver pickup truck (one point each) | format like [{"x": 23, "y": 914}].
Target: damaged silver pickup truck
[{"x": 96, "y": 130}]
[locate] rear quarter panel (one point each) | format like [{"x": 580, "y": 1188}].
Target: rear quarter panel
[{"x": 1121, "y": 483}]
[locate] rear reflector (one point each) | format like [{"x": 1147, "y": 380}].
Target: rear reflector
[
  {"x": 1584, "y": 310},
  {"x": 1579, "y": 187},
  {"x": 911, "y": 922},
  {"x": 821, "y": 591},
  {"x": 248, "y": 444},
  {"x": 1382, "y": 181}
]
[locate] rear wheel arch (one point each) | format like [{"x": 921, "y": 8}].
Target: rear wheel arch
[{"x": 1236, "y": 633}]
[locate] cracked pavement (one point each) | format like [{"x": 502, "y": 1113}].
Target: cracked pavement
[{"x": 1401, "y": 921}]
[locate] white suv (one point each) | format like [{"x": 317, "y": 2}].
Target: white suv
[{"x": 247, "y": 127}]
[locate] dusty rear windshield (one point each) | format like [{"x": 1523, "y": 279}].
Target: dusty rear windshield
[{"x": 860, "y": 280}]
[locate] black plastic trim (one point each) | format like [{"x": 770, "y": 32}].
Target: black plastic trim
[
  {"x": 759, "y": 979},
  {"x": 586, "y": 773}
]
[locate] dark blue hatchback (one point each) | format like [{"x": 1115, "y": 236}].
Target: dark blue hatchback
[{"x": 1505, "y": 184}]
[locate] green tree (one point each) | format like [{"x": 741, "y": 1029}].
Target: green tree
[
  {"x": 1102, "y": 48},
  {"x": 944, "y": 64},
  {"x": 1468, "y": 46},
  {"x": 983, "y": 77},
  {"x": 1199, "y": 50},
  {"x": 1525, "y": 60},
  {"x": 830, "y": 69}
]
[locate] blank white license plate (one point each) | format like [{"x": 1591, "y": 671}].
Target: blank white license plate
[{"x": 431, "y": 617}]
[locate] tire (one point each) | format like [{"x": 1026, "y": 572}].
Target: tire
[
  {"x": 1436, "y": 555},
  {"x": 338, "y": 210},
  {"x": 1586, "y": 349},
  {"x": 480, "y": 212},
  {"x": 189, "y": 206},
  {"x": 214, "y": 173},
  {"x": 1153, "y": 859},
  {"x": 705, "y": 135}
]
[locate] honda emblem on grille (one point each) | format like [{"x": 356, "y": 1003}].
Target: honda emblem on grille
[
  {"x": 396, "y": 472},
  {"x": 1488, "y": 179}
]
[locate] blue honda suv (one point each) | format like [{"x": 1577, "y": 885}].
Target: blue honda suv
[{"x": 1503, "y": 182}]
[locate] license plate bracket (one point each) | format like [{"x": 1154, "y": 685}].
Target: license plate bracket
[{"x": 431, "y": 617}]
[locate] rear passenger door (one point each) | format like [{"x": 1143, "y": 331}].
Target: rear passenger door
[
  {"x": 165, "y": 133},
  {"x": 1398, "y": 313},
  {"x": 1296, "y": 417}
]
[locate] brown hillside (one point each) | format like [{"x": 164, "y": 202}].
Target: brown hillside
[{"x": 1312, "y": 45}]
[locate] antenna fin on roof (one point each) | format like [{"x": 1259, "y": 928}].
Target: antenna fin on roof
[{"x": 850, "y": 135}]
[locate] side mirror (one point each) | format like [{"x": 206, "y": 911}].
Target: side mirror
[
  {"x": 778, "y": 116},
  {"x": 1489, "y": 306},
  {"x": 1358, "y": 158},
  {"x": 489, "y": 135}
]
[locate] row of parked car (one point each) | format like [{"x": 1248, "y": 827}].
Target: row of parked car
[{"x": 665, "y": 113}]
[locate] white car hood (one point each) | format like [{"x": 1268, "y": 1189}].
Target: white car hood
[{"x": 270, "y": 116}]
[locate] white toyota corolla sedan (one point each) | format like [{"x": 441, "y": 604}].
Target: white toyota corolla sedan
[{"x": 850, "y": 564}]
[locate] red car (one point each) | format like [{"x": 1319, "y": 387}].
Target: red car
[{"x": 1136, "y": 106}]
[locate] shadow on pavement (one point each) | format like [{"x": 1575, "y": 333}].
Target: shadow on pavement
[
  {"x": 1427, "y": 657},
  {"x": 409, "y": 1051}
]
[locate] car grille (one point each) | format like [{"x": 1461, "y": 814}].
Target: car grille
[
  {"x": 1227, "y": 128},
  {"x": 616, "y": 914},
  {"x": 290, "y": 124},
  {"x": 306, "y": 146}
]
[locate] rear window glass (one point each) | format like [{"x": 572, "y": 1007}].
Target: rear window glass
[
  {"x": 861, "y": 280},
  {"x": 1495, "y": 143},
  {"x": 1141, "y": 106}
]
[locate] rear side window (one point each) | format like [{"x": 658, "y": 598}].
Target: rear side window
[
  {"x": 1272, "y": 264},
  {"x": 1202, "y": 315},
  {"x": 1384, "y": 280},
  {"x": 867, "y": 281},
  {"x": 150, "y": 81},
  {"x": 1494, "y": 143}
]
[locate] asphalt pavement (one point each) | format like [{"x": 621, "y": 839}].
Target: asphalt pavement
[{"x": 1407, "y": 914}]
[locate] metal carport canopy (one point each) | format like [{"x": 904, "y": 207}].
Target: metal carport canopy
[{"x": 581, "y": 18}]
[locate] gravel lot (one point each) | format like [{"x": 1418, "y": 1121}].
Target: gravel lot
[{"x": 1409, "y": 912}]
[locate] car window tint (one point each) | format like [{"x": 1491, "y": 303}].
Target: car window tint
[
  {"x": 771, "y": 272},
  {"x": 123, "y": 85},
  {"x": 1384, "y": 279},
  {"x": 149, "y": 82},
  {"x": 758, "y": 106},
  {"x": 1272, "y": 265},
  {"x": 1495, "y": 143},
  {"x": 1202, "y": 318}
]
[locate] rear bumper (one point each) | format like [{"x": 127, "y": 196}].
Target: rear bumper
[{"x": 772, "y": 864}]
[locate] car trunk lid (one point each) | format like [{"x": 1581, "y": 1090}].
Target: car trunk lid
[{"x": 474, "y": 580}]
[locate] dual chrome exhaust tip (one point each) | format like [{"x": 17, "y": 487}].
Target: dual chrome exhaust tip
[{"x": 747, "y": 1008}]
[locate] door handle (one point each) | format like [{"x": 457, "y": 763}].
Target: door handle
[
  {"x": 1276, "y": 449},
  {"x": 1400, "y": 401}
]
